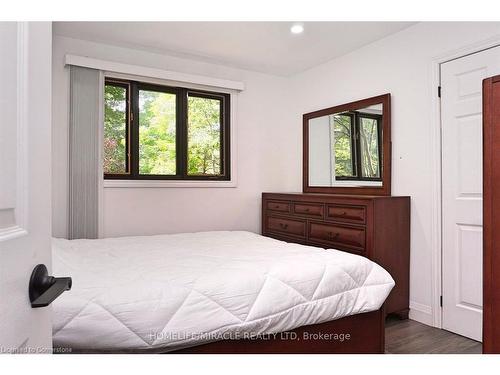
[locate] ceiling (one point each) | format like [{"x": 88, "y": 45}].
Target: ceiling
[{"x": 267, "y": 47}]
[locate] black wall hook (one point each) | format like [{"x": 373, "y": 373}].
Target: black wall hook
[{"x": 44, "y": 289}]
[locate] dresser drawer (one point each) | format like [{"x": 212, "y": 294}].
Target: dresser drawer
[
  {"x": 309, "y": 209},
  {"x": 278, "y": 206},
  {"x": 352, "y": 214},
  {"x": 337, "y": 235},
  {"x": 293, "y": 227}
]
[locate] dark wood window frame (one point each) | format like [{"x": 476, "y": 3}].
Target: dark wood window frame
[
  {"x": 356, "y": 145},
  {"x": 181, "y": 132}
]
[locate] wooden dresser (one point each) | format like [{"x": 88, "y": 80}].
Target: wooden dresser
[{"x": 377, "y": 227}]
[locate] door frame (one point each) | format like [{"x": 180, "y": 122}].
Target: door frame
[
  {"x": 436, "y": 318},
  {"x": 491, "y": 304}
]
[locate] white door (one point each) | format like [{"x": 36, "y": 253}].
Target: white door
[
  {"x": 461, "y": 116},
  {"x": 25, "y": 153}
]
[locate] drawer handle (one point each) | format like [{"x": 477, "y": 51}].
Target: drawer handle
[
  {"x": 343, "y": 213},
  {"x": 277, "y": 206},
  {"x": 332, "y": 236},
  {"x": 283, "y": 226},
  {"x": 306, "y": 209}
]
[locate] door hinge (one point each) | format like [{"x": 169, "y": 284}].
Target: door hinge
[
  {"x": 439, "y": 91},
  {"x": 441, "y": 301}
]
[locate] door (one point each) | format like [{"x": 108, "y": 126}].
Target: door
[
  {"x": 462, "y": 189},
  {"x": 25, "y": 187}
]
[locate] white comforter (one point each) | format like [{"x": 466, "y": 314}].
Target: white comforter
[{"x": 172, "y": 291}]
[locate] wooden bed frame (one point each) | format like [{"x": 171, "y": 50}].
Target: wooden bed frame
[{"x": 366, "y": 336}]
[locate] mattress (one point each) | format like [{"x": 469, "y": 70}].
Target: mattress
[{"x": 167, "y": 292}]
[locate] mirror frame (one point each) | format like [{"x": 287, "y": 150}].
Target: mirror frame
[{"x": 385, "y": 189}]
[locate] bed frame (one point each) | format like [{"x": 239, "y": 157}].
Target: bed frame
[{"x": 366, "y": 336}]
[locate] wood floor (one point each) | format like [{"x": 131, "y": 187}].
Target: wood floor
[{"x": 411, "y": 337}]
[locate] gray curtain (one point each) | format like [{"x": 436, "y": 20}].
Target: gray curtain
[{"x": 84, "y": 152}]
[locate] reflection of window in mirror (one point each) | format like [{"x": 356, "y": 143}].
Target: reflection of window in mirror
[
  {"x": 342, "y": 139},
  {"x": 355, "y": 141},
  {"x": 369, "y": 146}
]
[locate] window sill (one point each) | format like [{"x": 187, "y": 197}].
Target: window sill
[{"x": 167, "y": 184}]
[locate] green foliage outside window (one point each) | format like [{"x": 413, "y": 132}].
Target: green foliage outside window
[
  {"x": 203, "y": 136},
  {"x": 115, "y": 104},
  {"x": 157, "y": 122},
  {"x": 157, "y": 119}
]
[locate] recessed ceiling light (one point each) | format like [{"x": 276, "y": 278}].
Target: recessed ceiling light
[{"x": 298, "y": 28}]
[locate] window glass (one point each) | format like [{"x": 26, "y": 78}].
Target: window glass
[
  {"x": 204, "y": 136},
  {"x": 115, "y": 130},
  {"x": 163, "y": 132},
  {"x": 157, "y": 133}
]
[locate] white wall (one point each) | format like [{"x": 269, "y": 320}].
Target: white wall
[
  {"x": 263, "y": 139},
  {"x": 400, "y": 64}
]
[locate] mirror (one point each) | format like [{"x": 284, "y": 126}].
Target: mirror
[{"x": 347, "y": 148}]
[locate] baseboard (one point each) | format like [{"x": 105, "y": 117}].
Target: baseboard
[{"x": 421, "y": 313}]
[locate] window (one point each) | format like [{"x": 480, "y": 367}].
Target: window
[
  {"x": 116, "y": 129},
  {"x": 356, "y": 136},
  {"x": 161, "y": 132}
]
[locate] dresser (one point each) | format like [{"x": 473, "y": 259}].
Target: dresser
[{"x": 376, "y": 227}]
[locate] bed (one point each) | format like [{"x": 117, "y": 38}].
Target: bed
[{"x": 216, "y": 292}]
